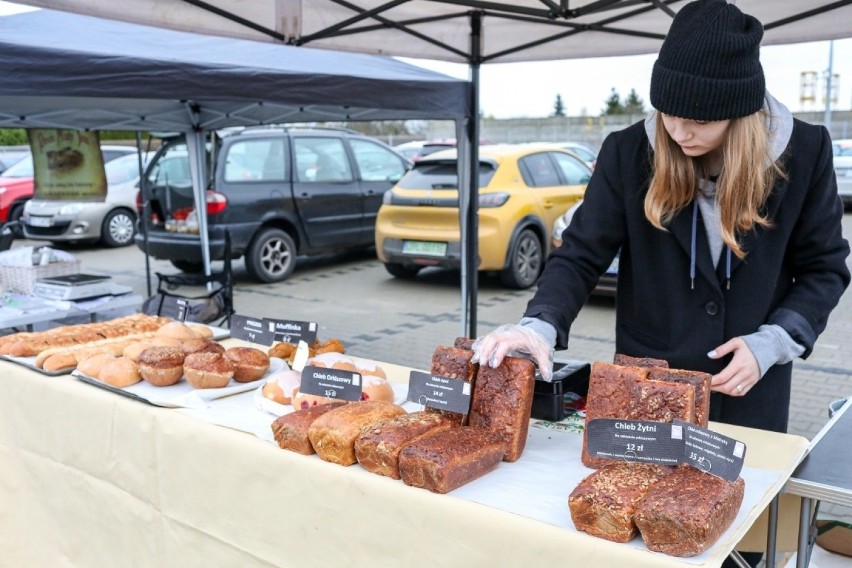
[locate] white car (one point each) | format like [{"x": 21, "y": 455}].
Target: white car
[
  {"x": 112, "y": 221},
  {"x": 843, "y": 170}
]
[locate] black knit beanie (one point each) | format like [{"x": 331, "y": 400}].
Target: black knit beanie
[{"x": 709, "y": 65}]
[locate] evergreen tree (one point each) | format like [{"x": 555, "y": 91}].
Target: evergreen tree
[
  {"x": 558, "y": 106},
  {"x": 613, "y": 104},
  {"x": 633, "y": 104}
]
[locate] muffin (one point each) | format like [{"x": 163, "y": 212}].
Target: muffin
[
  {"x": 249, "y": 363},
  {"x": 207, "y": 370},
  {"x": 161, "y": 365}
]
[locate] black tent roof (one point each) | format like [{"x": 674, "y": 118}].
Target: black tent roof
[{"x": 72, "y": 71}]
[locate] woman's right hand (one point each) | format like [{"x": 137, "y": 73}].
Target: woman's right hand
[{"x": 513, "y": 339}]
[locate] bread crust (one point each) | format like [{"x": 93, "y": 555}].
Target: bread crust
[
  {"x": 334, "y": 433},
  {"x": 291, "y": 430},
  {"x": 207, "y": 370},
  {"x": 160, "y": 365},
  {"x": 249, "y": 363}
]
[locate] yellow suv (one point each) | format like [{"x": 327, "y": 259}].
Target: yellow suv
[{"x": 523, "y": 189}]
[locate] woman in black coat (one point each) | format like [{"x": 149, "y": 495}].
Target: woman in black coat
[{"x": 725, "y": 212}]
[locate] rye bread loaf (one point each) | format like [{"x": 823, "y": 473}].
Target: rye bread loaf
[
  {"x": 628, "y": 361},
  {"x": 699, "y": 380},
  {"x": 334, "y": 433},
  {"x": 453, "y": 363},
  {"x": 610, "y": 390},
  {"x": 291, "y": 430},
  {"x": 502, "y": 402},
  {"x": 662, "y": 401},
  {"x": 686, "y": 513},
  {"x": 377, "y": 448},
  {"x": 603, "y": 503},
  {"x": 446, "y": 460}
]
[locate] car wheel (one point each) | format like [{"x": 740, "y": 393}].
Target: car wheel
[
  {"x": 118, "y": 228},
  {"x": 402, "y": 270},
  {"x": 15, "y": 213},
  {"x": 271, "y": 257},
  {"x": 188, "y": 266},
  {"x": 525, "y": 261}
]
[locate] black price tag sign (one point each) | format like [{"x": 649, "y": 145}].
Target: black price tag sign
[
  {"x": 640, "y": 441},
  {"x": 253, "y": 330},
  {"x": 331, "y": 383},
  {"x": 183, "y": 308},
  {"x": 289, "y": 331},
  {"x": 712, "y": 452},
  {"x": 442, "y": 393}
]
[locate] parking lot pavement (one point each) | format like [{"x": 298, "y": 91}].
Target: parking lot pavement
[{"x": 379, "y": 317}]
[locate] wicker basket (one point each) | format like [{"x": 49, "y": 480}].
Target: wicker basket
[{"x": 22, "y": 279}]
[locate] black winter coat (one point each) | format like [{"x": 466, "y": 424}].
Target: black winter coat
[{"x": 793, "y": 275}]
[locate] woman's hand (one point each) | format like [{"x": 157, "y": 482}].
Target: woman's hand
[
  {"x": 514, "y": 339},
  {"x": 741, "y": 374}
]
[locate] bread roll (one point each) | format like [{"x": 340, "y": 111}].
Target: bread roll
[
  {"x": 370, "y": 368},
  {"x": 333, "y": 360},
  {"x": 376, "y": 388},
  {"x": 161, "y": 366},
  {"x": 281, "y": 386},
  {"x": 177, "y": 330},
  {"x": 203, "y": 331},
  {"x": 207, "y": 370},
  {"x": 201, "y": 345},
  {"x": 59, "y": 361},
  {"x": 120, "y": 372},
  {"x": 91, "y": 366},
  {"x": 133, "y": 350},
  {"x": 166, "y": 342},
  {"x": 249, "y": 363}
]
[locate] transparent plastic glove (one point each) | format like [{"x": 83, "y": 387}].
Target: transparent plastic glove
[{"x": 514, "y": 340}]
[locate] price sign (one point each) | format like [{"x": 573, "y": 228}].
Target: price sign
[
  {"x": 712, "y": 452},
  {"x": 183, "y": 308},
  {"x": 442, "y": 393},
  {"x": 634, "y": 441},
  {"x": 253, "y": 330},
  {"x": 289, "y": 331},
  {"x": 331, "y": 383}
]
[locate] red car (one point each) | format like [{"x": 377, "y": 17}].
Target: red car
[{"x": 16, "y": 183}]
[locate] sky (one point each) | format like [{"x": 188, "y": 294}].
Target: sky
[{"x": 529, "y": 89}]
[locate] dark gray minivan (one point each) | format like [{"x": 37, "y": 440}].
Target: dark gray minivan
[{"x": 280, "y": 192}]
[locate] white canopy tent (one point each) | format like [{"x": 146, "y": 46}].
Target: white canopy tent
[{"x": 468, "y": 31}]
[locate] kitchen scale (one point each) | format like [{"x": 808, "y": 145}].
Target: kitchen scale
[{"x": 73, "y": 287}]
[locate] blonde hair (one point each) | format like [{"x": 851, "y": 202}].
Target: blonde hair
[{"x": 744, "y": 184}]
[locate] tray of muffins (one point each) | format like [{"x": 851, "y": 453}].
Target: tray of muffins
[{"x": 187, "y": 373}]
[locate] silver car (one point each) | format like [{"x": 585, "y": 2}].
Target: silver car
[
  {"x": 843, "y": 170},
  {"x": 113, "y": 221}
]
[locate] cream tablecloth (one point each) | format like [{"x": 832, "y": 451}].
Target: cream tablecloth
[{"x": 90, "y": 478}]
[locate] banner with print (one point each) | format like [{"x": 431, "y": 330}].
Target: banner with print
[{"x": 67, "y": 165}]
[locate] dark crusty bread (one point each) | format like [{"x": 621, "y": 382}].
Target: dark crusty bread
[
  {"x": 604, "y": 502},
  {"x": 291, "y": 430},
  {"x": 463, "y": 343},
  {"x": 377, "y": 448},
  {"x": 446, "y": 460},
  {"x": 502, "y": 402},
  {"x": 454, "y": 363},
  {"x": 610, "y": 390},
  {"x": 662, "y": 401},
  {"x": 334, "y": 433},
  {"x": 701, "y": 382},
  {"x": 686, "y": 513},
  {"x": 628, "y": 361}
]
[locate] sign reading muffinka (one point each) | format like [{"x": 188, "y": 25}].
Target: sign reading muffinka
[
  {"x": 666, "y": 444},
  {"x": 331, "y": 383},
  {"x": 442, "y": 393},
  {"x": 290, "y": 331}
]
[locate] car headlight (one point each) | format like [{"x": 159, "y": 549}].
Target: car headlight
[
  {"x": 71, "y": 209},
  {"x": 489, "y": 200}
]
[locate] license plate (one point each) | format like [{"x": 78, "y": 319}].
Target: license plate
[
  {"x": 41, "y": 221},
  {"x": 425, "y": 248}
]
